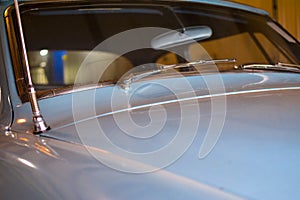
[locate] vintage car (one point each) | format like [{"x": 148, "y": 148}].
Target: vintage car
[{"x": 163, "y": 99}]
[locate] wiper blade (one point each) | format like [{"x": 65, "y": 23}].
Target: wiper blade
[
  {"x": 196, "y": 63},
  {"x": 285, "y": 67},
  {"x": 132, "y": 77}
]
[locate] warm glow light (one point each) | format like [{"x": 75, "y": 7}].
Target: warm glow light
[
  {"x": 24, "y": 139},
  {"x": 44, "y": 52},
  {"x": 43, "y": 64},
  {"x": 21, "y": 121},
  {"x": 42, "y": 148}
]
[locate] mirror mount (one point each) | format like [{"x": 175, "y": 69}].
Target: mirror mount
[{"x": 184, "y": 36}]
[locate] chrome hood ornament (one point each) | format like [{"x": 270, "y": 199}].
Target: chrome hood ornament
[{"x": 39, "y": 123}]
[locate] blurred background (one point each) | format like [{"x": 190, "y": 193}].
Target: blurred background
[{"x": 286, "y": 12}]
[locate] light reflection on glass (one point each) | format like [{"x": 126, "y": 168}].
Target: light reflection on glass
[
  {"x": 24, "y": 139},
  {"x": 26, "y": 162},
  {"x": 21, "y": 121},
  {"x": 44, "y": 52},
  {"x": 43, "y": 64}
]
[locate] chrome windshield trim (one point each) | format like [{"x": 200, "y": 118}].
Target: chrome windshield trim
[{"x": 70, "y": 89}]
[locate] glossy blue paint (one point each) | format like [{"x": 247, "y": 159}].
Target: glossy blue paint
[
  {"x": 258, "y": 145},
  {"x": 256, "y": 156},
  {"x": 6, "y": 114}
]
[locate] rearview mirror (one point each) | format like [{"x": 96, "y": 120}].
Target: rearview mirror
[{"x": 176, "y": 38}]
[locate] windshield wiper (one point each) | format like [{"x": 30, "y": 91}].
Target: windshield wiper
[
  {"x": 277, "y": 67},
  {"x": 132, "y": 77}
]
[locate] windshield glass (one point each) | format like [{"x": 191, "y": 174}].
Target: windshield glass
[{"x": 64, "y": 35}]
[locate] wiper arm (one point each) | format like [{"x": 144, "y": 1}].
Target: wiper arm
[
  {"x": 277, "y": 67},
  {"x": 196, "y": 63},
  {"x": 125, "y": 82},
  {"x": 132, "y": 77}
]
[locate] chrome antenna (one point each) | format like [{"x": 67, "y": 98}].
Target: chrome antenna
[{"x": 39, "y": 123}]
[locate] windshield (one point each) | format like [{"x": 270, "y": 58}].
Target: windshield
[{"x": 59, "y": 38}]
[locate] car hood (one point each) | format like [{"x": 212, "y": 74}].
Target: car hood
[{"x": 254, "y": 155}]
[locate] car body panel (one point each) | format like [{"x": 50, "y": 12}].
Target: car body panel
[
  {"x": 254, "y": 143},
  {"x": 254, "y": 157},
  {"x": 258, "y": 153},
  {"x": 235, "y": 84},
  {"x": 84, "y": 177}
]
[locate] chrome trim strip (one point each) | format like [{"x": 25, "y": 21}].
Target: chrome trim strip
[
  {"x": 194, "y": 98},
  {"x": 180, "y": 100}
]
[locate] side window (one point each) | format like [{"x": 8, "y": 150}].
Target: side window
[
  {"x": 273, "y": 52},
  {"x": 167, "y": 59},
  {"x": 239, "y": 46}
]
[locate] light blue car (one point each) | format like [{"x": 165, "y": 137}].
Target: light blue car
[{"x": 147, "y": 99}]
